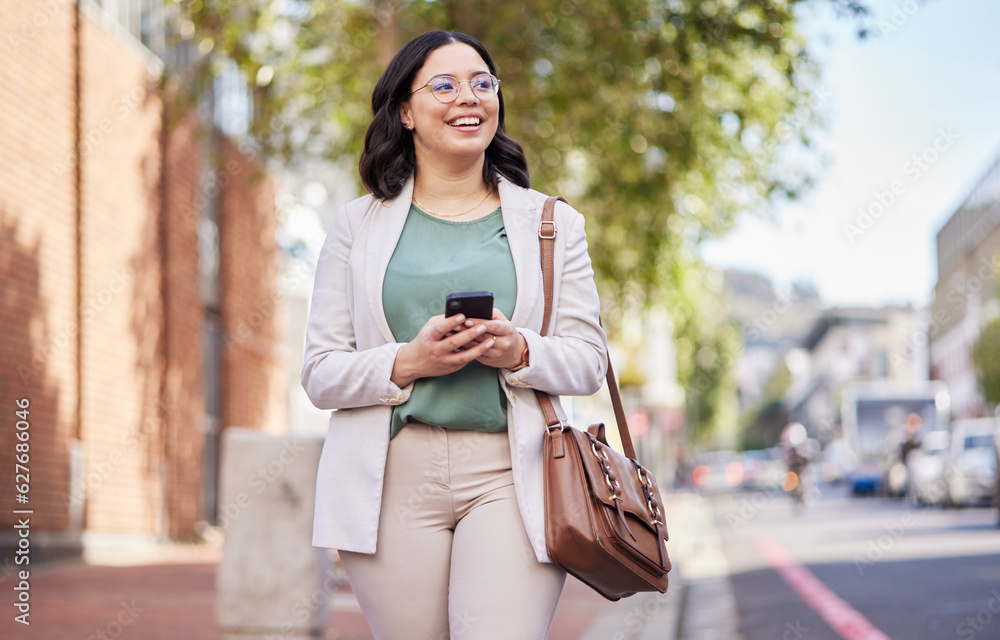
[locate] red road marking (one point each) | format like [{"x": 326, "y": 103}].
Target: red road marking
[{"x": 841, "y": 616}]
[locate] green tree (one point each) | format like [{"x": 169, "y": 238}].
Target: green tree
[
  {"x": 711, "y": 387},
  {"x": 986, "y": 359},
  {"x": 762, "y": 425},
  {"x": 661, "y": 120}
]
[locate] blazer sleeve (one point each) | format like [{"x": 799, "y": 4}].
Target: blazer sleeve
[
  {"x": 336, "y": 374},
  {"x": 572, "y": 359}
]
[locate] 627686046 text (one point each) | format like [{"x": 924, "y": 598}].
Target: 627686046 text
[{"x": 22, "y": 487}]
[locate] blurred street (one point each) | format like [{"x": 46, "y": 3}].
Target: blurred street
[
  {"x": 793, "y": 220},
  {"x": 747, "y": 567},
  {"x": 169, "y": 593},
  {"x": 912, "y": 573}
]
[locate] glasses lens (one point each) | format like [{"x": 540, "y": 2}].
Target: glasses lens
[
  {"x": 444, "y": 88},
  {"x": 485, "y": 85}
]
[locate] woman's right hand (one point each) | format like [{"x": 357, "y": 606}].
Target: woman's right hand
[{"x": 443, "y": 346}]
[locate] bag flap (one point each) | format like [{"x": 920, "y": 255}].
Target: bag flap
[{"x": 623, "y": 478}]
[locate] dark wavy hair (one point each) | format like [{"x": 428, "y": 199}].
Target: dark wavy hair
[{"x": 388, "y": 159}]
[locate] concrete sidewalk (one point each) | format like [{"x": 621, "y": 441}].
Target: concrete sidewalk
[
  {"x": 699, "y": 605},
  {"x": 709, "y": 611},
  {"x": 170, "y": 595}
]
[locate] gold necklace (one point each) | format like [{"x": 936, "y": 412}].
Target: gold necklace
[{"x": 450, "y": 215}]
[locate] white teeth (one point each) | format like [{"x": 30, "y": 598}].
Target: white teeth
[{"x": 465, "y": 121}]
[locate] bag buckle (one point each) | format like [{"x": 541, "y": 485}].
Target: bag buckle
[{"x": 542, "y": 229}]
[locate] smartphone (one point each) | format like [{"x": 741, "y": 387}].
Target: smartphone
[{"x": 474, "y": 304}]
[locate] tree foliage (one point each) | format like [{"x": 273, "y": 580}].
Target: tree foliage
[
  {"x": 661, "y": 120},
  {"x": 986, "y": 359},
  {"x": 763, "y": 423}
]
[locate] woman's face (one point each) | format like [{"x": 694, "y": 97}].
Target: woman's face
[{"x": 460, "y": 129}]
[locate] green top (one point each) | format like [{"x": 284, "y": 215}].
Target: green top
[{"x": 435, "y": 257}]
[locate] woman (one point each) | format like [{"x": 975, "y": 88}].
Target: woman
[{"x": 430, "y": 482}]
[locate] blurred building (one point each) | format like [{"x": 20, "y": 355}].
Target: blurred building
[
  {"x": 846, "y": 344},
  {"x": 965, "y": 295},
  {"x": 139, "y": 304},
  {"x": 773, "y": 323}
]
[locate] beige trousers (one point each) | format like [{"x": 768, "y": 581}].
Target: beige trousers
[{"x": 453, "y": 560}]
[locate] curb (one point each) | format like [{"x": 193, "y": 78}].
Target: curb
[{"x": 709, "y": 606}]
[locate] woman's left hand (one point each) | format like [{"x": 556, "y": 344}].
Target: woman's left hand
[{"x": 508, "y": 342}]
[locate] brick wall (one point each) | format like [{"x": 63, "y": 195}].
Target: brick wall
[
  {"x": 254, "y": 361},
  {"x": 122, "y": 359},
  {"x": 37, "y": 252},
  {"x": 139, "y": 422},
  {"x": 184, "y": 397}
]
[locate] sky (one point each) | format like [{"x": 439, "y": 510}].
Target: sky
[{"x": 912, "y": 123}]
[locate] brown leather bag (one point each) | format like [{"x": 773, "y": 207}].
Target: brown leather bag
[{"x": 604, "y": 519}]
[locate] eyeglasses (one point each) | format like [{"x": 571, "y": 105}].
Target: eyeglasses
[{"x": 446, "y": 88}]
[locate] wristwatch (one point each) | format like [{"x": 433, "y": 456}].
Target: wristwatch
[{"x": 524, "y": 359}]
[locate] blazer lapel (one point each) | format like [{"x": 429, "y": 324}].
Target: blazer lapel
[
  {"x": 520, "y": 218},
  {"x": 387, "y": 223}
]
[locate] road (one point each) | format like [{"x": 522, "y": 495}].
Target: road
[{"x": 860, "y": 568}]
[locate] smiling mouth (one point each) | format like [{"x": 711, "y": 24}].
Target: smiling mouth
[{"x": 466, "y": 122}]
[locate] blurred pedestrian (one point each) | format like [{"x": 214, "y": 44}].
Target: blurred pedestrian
[
  {"x": 798, "y": 451},
  {"x": 430, "y": 483},
  {"x": 899, "y": 480},
  {"x": 911, "y": 436},
  {"x": 794, "y": 441}
]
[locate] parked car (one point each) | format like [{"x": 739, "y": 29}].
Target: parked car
[
  {"x": 971, "y": 465},
  {"x": 836, "y": 462},
  {"x": 763, "y": 468},
  {"x": 717, "y": 472},
  {"x": 926, "y": 468}
]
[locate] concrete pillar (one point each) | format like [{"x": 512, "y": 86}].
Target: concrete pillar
[{"x": 272, "y": 583}]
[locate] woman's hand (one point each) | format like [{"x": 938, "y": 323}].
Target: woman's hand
[
  {"x": 507, "y": 342},
  {"x": 443, "y": 346}
]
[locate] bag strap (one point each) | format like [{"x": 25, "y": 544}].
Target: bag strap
[{"x": 546, "y": 238}]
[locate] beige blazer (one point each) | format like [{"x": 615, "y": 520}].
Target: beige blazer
[{"x": 350, "y": 353}]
